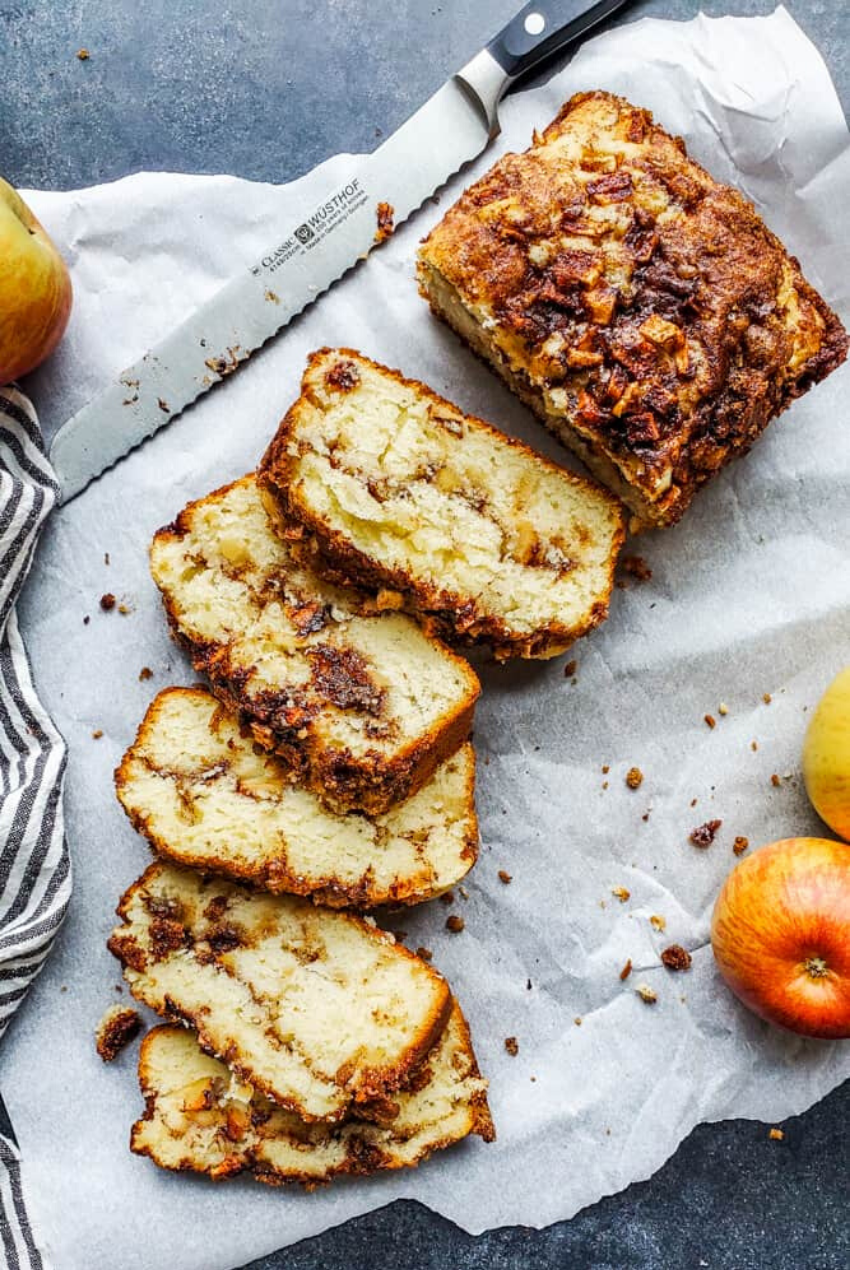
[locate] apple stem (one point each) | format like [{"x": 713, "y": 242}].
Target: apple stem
[{"x": 815, "y": 967}]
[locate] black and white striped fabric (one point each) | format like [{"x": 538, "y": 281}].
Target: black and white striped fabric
[{"x": 35, "y": 870}]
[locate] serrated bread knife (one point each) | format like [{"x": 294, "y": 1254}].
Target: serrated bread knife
[{"x": 334, "y": 232}]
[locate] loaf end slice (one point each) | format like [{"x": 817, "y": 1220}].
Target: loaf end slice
[
  {"x": 641, "y": 308},
  {"x": 205, "y": 794},
  {"x": 199, "y": 1118},
  {"x": 361, "y": 705},
  {"x": 318, "y": 1010},
  {"x": 481, "y": 538}
]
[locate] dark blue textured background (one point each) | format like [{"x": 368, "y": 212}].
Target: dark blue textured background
[{"x": 266, "y": 89}]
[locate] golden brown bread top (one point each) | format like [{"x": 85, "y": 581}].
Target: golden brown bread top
[{"x": 653, "y": 306}]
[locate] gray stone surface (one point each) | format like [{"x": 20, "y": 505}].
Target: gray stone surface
[
  {"x": 266, "y": 89},
  {"x": 261, "y": 88}
]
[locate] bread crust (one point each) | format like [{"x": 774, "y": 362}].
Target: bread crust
[
  {"x": 371, "y": 781},
  {"x": 443, "y": 613},
  {"x": 366, "y": 1148},
  {"x": 643, "y": 310},
  {"x": 270, "y": 869},
  {"x": 370, "y": 1089}
]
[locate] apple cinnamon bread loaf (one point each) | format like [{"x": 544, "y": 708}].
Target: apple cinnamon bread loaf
[
  {"x": 200, "y": 1118},
  {"x": 362, "y": 705},
  {"x": 481, "y": 538},
  {"x": 643, "y": 310},
  {"x": 319, "y": 1010},
  {"x": 205, "y": 794}
]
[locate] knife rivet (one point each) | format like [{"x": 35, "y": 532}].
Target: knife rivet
[{"x": 535, "y": 23}]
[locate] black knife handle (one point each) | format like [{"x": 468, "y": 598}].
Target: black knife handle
[{"x": 542, "y": 29}]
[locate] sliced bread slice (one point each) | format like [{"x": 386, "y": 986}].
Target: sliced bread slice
[
  {"x": 199, "y": 1118},
  {"x": 317, "y": 1009},
  {"x": 476, "y": 533},
  {"x": 362, "y": 705},
  {"x": 205, "y": 794}
]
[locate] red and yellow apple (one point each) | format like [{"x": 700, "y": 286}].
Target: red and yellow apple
[
  {"x": 781, "y": 935},
  {"x": 826, "y": 756},
  {"x": 35, "y": 289}
]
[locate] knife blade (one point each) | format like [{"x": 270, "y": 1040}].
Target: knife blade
[{"x": 334, "y": 232}]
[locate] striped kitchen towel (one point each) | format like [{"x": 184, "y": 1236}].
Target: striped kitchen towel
[{"x": 35, "y": 870}]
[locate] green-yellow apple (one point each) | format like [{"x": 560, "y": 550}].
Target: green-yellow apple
[
  {"x": 826, "y": 756},
  {"x": 35, "y": 289}
]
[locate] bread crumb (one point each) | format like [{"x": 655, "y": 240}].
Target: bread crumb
[
  {"x": 83, "y": 55},
  {"x": 767, "y": 698},
  {"x": 775, "y": 780},
  {"x": 754, "y": 746},
  {"x": 740, "y": 845},
  {"x": 776, "y": 1135},
  {"x": 512, "y": 1046},
  {"x": 107, "y": 602},
  {"x": 124, "y": 609},
  {"x": 646, "y": 994},
  {"x": 634, "y": 778},
  {"x": 385, "y": 221},
  {"x": 145, "y": 673},
  {"x": 424, "y": 953},
  {"x": 621, "y": 893},
  {"x": 605, "y": 769},
  {"x": 462, "y": 891},
  {"x": 676, "y": 958},
  {"x": 657, "y": 922},
  {"x": 578, "y": 1020},
  {"x": 723, "y": 708},
  {"x": 115, "y": 1030},
  {"x": 636, "y": 567},
  {"x": 448, "y": 897},
  {"x": 97, "y": 734},
  {"x": 570, "y": 669},
  {"x": 504, "y": 876},
  {"x": 604, "y": 784},
  {"x": 455, "y": 924},
  {"x": 710, "y": 720},
  {"x": 626, "y": 971},
  {"x": 704, "y": 835}
]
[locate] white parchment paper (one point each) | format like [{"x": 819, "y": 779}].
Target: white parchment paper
[{"x": 750, "y": 595}]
